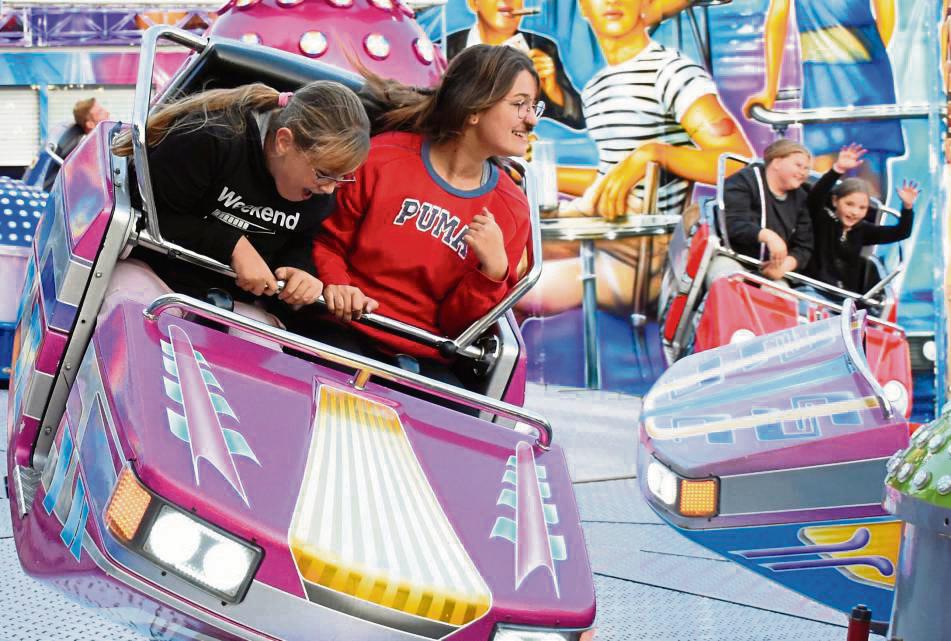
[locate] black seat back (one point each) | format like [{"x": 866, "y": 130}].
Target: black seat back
[{"x": 227, "y": 63}]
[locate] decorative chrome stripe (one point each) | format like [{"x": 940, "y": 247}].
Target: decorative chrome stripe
[
  {"x": 766, "y": 418},
  {"x": 367, "y": 523},
  {"x": 854, "y": 483}
]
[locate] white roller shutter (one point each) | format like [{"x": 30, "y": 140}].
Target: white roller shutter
[
  {"x": 116, "y": 100},
  {"x": 19, "y": 125}
]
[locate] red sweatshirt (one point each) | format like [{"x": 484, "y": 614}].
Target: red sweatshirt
[{"x": 397, "y": 234}]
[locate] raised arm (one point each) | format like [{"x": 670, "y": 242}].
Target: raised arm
[
  {"x": 884, "y": 11},
  {"x": 884, "y": 234},
  {"x": 774, "y": 43},
  {"x": 819, "y": 194}
]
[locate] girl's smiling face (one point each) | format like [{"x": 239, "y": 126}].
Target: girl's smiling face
[{"x": 851, "y": 209}]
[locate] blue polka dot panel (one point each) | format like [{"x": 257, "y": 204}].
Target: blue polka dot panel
[{"x": 21, "y": 207}]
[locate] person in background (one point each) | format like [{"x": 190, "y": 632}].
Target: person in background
[
  {"x": 86, "y": 115},
  {"x": 838, "y": 211},
  {"x": 784, "y": 243},
  {"x": 649, "y": 104},
  {"x": 842, "y": 47}
]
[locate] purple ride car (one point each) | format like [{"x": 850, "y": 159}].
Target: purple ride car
[{"x": 201, "y": 483}]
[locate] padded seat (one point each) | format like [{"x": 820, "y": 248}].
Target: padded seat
[{"x": 225, "y": 64}]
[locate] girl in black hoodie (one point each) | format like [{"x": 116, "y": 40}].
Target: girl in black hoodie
[{"x": 839, "y": 227}]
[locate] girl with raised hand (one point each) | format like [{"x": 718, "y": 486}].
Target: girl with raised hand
[{"x": 838, "y": 211}]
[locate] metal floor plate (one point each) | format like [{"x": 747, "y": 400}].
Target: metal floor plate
[
  {"x": 631, "y": 611},
  {"x": 652, "y": 584}
]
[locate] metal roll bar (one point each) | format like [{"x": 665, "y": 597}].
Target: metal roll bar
[
  {"x": 848, "y": 312},
  {"x": 365, "y": 367},
  {"x": 471, "y": 333},
  {"x": 780, "y": 120},
  {"x": 151, "y": 235},
  {"x": 375, "y": 320},
  {"x": 818, "y": 284},
  {"x": 721, "y": 188},
  {"x": 140, "y": 112}
]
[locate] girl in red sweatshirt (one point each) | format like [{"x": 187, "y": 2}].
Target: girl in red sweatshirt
[{"x": 431, "y": 231}]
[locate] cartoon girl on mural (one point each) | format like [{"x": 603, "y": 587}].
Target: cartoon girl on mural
[
  {"x": 649, "y": 104},
  {"x": 844, "y": 63}
]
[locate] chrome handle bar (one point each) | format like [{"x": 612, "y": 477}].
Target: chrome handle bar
[
  {"x": 365, "y": 367},
  {"x": 781, "y": 119},
  {"x": 848, "y": 313}
]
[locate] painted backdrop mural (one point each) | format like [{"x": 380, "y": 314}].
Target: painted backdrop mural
[{"x": 676, "y": 83}]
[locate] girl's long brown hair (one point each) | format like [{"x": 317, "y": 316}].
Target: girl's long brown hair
[
  {"x": 325, "y": 117},
  {"x": 478, "y": 78}
]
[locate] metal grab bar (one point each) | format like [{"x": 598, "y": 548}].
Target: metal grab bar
[
  {"x": 765, "y": 282},
  {"x": 140, "y": 112},
  {"x": 376, "y": 320},
  {"x": 721, "y": 189},
  {"x": 471, "y": 333},
  {"x": 848, "y": 312},
  {"x": 51, "y": 151},
  {"x": 365, "y": 367},
  {"x": 818, "y": 284},
  {"x": 780, "y": 120}
]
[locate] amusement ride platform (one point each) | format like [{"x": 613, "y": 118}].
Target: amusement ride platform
[{"x": 652, "y": 584}]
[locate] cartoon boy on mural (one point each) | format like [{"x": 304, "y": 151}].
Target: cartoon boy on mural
[
  {"x": 649, "y": 104},
  {"x": 844, "y": 63},
  {"x": 498, "y": 22}
]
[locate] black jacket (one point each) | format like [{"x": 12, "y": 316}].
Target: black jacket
[
  {"x": 837, "y": 259},
  {"x": 211, "y": 187},
  {"x": 789, "y": 218},
  {"x": 569, "y": 114}
]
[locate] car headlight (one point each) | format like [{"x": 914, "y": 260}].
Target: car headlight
[
  {"x": 179, "y": 542},
  {"x": 688, "y": 497},
  {"x": 897, "y": 395},
  {"x": 662, "y": 482},
  {"x": 523, "y": 633}
]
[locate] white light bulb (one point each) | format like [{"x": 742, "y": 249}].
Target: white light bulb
[
  {"x": 174, "y": 538},
  {"x": 225, "y": 565}
]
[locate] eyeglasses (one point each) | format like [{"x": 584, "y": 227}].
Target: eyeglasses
[
  {"x": 324, "y": 180},
  {"x": 523, "y": 107}
]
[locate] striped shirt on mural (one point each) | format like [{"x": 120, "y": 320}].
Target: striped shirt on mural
[{"x": 643, "y": 100}]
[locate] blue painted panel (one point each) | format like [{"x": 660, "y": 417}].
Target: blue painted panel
[
  {"x": 59, "y": 475},
  {"x": 833, "y": 586},
  {"x": 76, "y": 521}
]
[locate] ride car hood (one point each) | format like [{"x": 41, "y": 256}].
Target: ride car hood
[{"x": 373, "y": 501}]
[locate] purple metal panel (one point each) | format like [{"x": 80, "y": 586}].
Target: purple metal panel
[
  {"x": 52, "y": 345},
  {"x": 702, "y": 415},
  {"x": 515, "y": 392},
  {"x": 88, "y": 192},
  {"x": 271, "y": 401}
]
